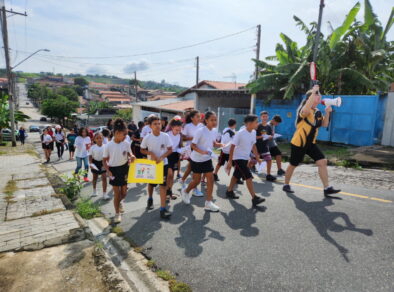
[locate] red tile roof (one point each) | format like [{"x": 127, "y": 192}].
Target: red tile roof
[
  {"x": 180, "y": 105},
  {"x": 222, "y": 85}
]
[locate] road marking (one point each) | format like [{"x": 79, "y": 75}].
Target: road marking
[{"x": 343, "y": 193}]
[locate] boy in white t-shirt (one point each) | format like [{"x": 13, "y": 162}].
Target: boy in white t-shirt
[
  {"x": 227, "y": 137},
  {"x": 157, "y": 145},
  {"x": 243, "y": 143}
]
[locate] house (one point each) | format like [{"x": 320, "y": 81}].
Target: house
[{"x": 165, "y": 107}]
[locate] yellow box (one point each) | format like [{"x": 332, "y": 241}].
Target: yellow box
[{"x": 146, "y": 171}]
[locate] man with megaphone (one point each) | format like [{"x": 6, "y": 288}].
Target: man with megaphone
[{"x": 308, "y": 121}]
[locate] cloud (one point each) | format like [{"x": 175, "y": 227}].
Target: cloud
[
  {"x": 93, "y": 70},
  {"x": 136, "y": 66}
]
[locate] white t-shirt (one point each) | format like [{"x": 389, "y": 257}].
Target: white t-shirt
[
  {"x": 189, "y": 130},
  {"x": 204, "y": 139},
  {"x": 117, "y": 153},
  {"x": 59, "y": 136},
  {"x": 97, "y": 152},
  {"x": 175, "y": 140},
  {"x": 127, "y": 139},
  {"x": 243, "y": 141},
  {"x": 81, "y": 146},
  {"x": 226, "y": 139},
  {"x": 157, "y": 144},
  {"x": 145, "y": 131},
  {"x": 47, "y": 139},
  {"x": 105, "y": 140}
]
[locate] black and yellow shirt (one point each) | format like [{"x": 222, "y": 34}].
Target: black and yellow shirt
[{"x": 307, "y": 129}]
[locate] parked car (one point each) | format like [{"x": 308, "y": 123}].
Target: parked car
[
  {"x": 97, "y": 129},
  {"x": 43, "y": 119},
  {"x": 6, "y": 134},
  {"x": 34, "y": 129},
  {"x": 27, "y": 103}
]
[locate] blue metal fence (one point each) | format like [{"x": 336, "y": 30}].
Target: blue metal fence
[{"x": 359, "y": 121}]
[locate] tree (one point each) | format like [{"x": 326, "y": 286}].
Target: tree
[
  {"x": 59, "y": 107},
  {"x": 94, "y": 106},
  {"x": 5, "y": 114},
  {"x": 355, "y": 58},
  {"x": 125, "y": 114},
  {"x": 68, "y": 92},
  {"x": 81, "y": 81}
]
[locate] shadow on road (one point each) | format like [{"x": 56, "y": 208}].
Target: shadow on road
[{"x": 324, "y": 220}]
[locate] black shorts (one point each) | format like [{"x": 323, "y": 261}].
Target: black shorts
[
  {"x": 201, "y": 167},
  {"x": 47, "y": 146},
  {"x": 275, "y": 151},
  {"x": 137, "y": 152},
  {"x": 241, "y": 169},
  {"x": 99, "y": 165},
  {"x": 165, "y": 177},
  {"x": 120, "y": 175},
  {"x": 223, "y": 158},
  {"x": 71, "y": 148},
  {"x": 51, "y": 145},
  {"x": 173, "y": 159},
  {"x": 298, "y": 153}
]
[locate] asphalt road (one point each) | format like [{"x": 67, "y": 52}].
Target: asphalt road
[{"x": 293, "y": 242}]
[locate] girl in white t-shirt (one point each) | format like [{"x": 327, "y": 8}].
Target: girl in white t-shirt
[
  {"x": 116, "y": 159},
  {"x": 46, "y": 144},
  {"x": 193, "y": 119},
  {"x": 201, "y": 159},
  {"x": 96, "y": 153},
  {"x": 174, "y": 132},
  {"x": 82, "y": 145},
  {"x": 59, "y": 138}
]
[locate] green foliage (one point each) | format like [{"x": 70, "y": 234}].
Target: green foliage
[
  {"x": 165, "y": 275},
  {"x": 176, "y": 286},
  {"x": 94, "y": 106},
  {"x": 355, "y": 58},
  {"x": 68, "y": 92},
  {"x": 125, "y": 114},
  {"x": 87, "y": 209},
  {"x": 59, "y": 107},
  {"x": 72, "y": 186},
  {"x": 80, "y": 81}
]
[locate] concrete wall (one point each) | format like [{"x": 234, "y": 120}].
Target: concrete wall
[
  {"x": 204, "y": 103},
  {"x": 137, "y": 113},
  {"x": 388, "y": 129}
]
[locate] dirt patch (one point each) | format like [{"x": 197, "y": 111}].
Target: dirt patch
[{"x": 62, "y": 268}]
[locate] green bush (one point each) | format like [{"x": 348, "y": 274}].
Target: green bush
[
  {"x": 73, "y": 186},
  {"x": 87, "y": 209}
]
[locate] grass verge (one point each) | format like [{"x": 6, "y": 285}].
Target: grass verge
[
  {"x": 87, "y": 209},
  {"x": 46, "y": 212}
]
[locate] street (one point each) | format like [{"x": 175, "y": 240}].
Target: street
[{"x": 293, "y": 242}]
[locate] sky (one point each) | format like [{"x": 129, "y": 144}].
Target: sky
[{"x": 119, "y": 37}]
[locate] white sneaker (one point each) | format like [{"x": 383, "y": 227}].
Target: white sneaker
[
  {"x": 121, "y": 209},
  {"x": 94, "y": 194},
  {"x": 210, "y": 206},
  {"x": 198, "y": 193},
  {"x": 106, "y": 196},
  {"x": 185, "y": 196},
  {"x": 118, "y": 218}
]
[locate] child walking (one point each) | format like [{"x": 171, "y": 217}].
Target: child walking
[
  {"x": 96, "y": 153},
  {"x": 82, "y": 145},
  {"x": 116, "y": 158},
  {"x": 273, "y": 146},
  {"x": 243, "y": 143},
  {"x": 175, "y": 127},
  {"x": 201, "y": 160},
  {"x": 71, "y": 143},
  {"x": 157, "y": 145},
  {"x": 264, "y": 135},
  {"x": 46, "y": 144},
  {"x": 59, "y": 138},
  {"x": 227, "y": 137}
]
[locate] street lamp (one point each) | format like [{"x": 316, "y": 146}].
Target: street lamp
[{"x": 31, "y": 55}]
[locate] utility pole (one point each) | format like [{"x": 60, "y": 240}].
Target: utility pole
[
  {"x": 317, "y": 37},
  {"x": 135, "y": 85},
  {"x": 197, "y": 70},
  {"x": 256, "y": 73},
  {"x": 9, "y": 69}
]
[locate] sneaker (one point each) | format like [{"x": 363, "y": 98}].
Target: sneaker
[
  {"x": 149, "y": 204},
  {"x": 330, "y": 191},
  {"x": 240, "y": 182},
  {"x": 210, "y": 206},
  {"x": 281, "y": 172},
  {"x": 257, "y": 200},
  {"x": 170, "y": 195},
  {"x": 94, "y": 194},
  {"x": 231, "y": 195},
  {"x": 287, "y": 189},
  {"x": 178, "y": 176},
  {"x": 270, "y": 177},
  {"x": 117, "y": 218},
  {"x": 183, "y": 184},
  {"x": 215, "y": 177},
  {"x": 85, "y": 179},
  {"x": 198, "y": 193},
  {"x": 121, "y": 209},
  {"x": 165, "y": 214},
  {"x": 106, "y": 196},
  {"x": 185, "y": 197}
]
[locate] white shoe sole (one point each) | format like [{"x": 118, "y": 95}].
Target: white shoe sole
[{"x": 210, "y": 210}]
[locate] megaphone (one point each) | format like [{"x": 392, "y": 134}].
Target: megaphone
[{"x": 330, "y": 102}]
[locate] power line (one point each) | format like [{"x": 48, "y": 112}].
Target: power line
[{"x": 160, "y": 51}]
